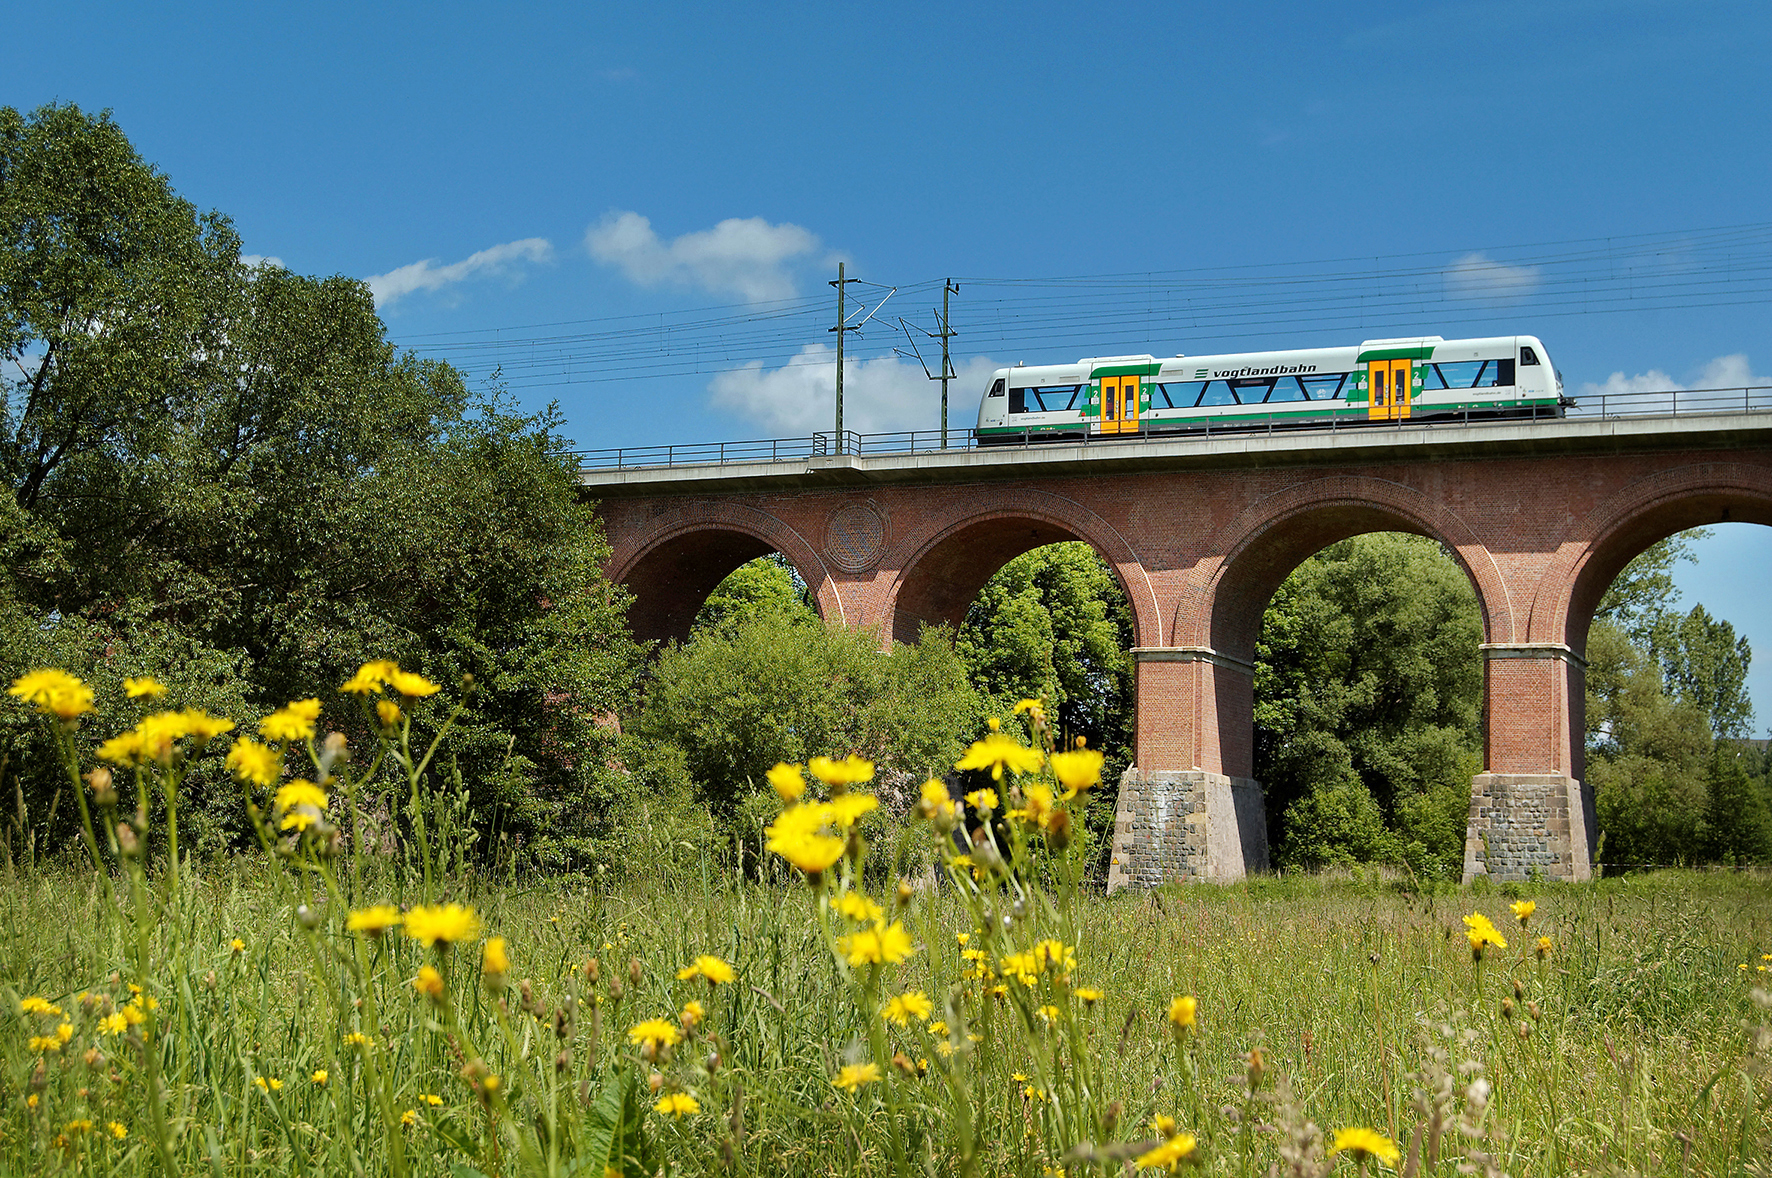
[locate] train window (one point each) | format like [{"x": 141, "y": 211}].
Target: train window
[
  {"x": 1218, "y": 393},
  {"x": 1323, "y": 388},
  {"x": 997, "y": 389},
  {"x": 1287, "y": 388},
  {"x": 1052, "y": 399},
  {"x": 1504, "y": 372},
  {"x": 1253, "y": 390},
  {"x": 1528, "y": 356},
  {"x": 1177, "y": 394},
  {"x": 1466, "y": 374}
]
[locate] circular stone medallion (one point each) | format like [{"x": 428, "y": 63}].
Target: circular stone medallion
[{"x": 854, "y": 534}]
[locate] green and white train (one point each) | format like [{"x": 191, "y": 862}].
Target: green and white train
[{"x": 1420, "y": 378}]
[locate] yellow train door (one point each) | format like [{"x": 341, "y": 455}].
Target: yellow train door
[
  {"x": 1390, "y": 389},
  {"x": 1119, "y": 404}
]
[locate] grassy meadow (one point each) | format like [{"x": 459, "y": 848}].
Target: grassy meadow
[
  {"x": 1628, "y": 1049},
  {"x": 396, "y": 1009}
]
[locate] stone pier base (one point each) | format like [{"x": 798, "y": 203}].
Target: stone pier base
[
  {"x": 1186, "y": 824},
  {"x": 1525, "y": 825}
]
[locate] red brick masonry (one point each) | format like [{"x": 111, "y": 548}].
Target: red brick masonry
[{"x": 1541, "y": 516}]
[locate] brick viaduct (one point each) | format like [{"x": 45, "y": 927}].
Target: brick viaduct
[{"x": 1201, "y": 532}]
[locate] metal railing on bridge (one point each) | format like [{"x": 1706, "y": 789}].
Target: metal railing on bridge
[{"x": 1599, "y": 406}]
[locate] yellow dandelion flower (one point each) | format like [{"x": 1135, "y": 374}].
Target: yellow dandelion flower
[
  {"x": 358, "y": 1039},
  {"x": 251, "y": 761},
  {"x": 268, "y": 1085},
  {"x": 1183, "y": 1012},
  {"x": 37, "y": 1005},
  {"x": 859, "y": 908},
  {"x": 797, "y": 836},
  {"x": 320, "y": 1077},
  {"x": 144, "y": 685},
  {"x": 494, "y": 962},
  {"x": 1037, "y": 809},
  {"x": 677, "y": 1104},
  {"x": 237, "y": 945},
  {"x": 854, "y": 1075},
  {"x": 912, "y": 1004},
  {"x": 371, "y": 677},
  {"x": 80, "y": 1126},
  {"x": 938, "y": 1028},
  {"x": 55, "y": 692},
  {"x": 1522, "y": 910},
  {"x": 851, "y": 770},
  {"x": 1544, "y": 947},
  {"x": 1480, "y": 932},
  {"x": 388, "y": 712},
  {"x": 655, "y": 1033},
  {"x": 983, "y": 799},
  {"x": 448, "y": 923},
  {"x": 999, "y": 751},
  {"x": 410, "y": 685},
  {"x": 693, "y": 1014},
  {"x": 292, "y": 721},
  {"x": 44, "y": 1043},
  {"x": 409, "y": 1118},
  {"x": 1077, "y": 771},
  {"x": 1163, "y": 1125},
  {"x": 846, "y": 808},
  {"x": 1169, "y": 1155},
  {"x": 1366, "y": 1143},
  {"x": 432, "y": 1099},
  {"x": 429, "y": 983},
  {"x": 125, "y": 748},
  {"x": 880, "y": 945},
  {"x": 1089, "y": 995},
  {"x": 301, "y": 803},
  {"x": 788, "y": 781},
  {"x": 716, "y": 971},
  {"x": 63, "y": 1033},
  {"x": 374, "y": 920},
  {"x": 117, "y": 1129},
  {"x": 113, "y": 1024}
]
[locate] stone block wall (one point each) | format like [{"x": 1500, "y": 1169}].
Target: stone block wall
[
  {"x": 1186, "y": 824},
  {"x": 1529, "y": 824}
]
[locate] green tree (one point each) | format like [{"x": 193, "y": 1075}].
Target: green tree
[
  {"x": 1703, "y": 661},
  {"x": 738, "y": 699},
  {"x": 227, "y": 476},
  {"x": 1647, "y": 755},
  {"x": 1644, "y": 590},
  {"x": 1368, "y": 690},
  {"x": 766, "y": 585},
  {"x": 1737, "y": 825},
  {"x": 1054, "y": 623}
]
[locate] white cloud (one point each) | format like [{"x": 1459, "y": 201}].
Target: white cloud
[
  {"x": 1725, "y": 372},
  {"x": 429, "y": 275},
  {"x": 747, "y": 257},
  {"x": 254, "y": 261},
  {"x": 881, "y": 395},
  {"x": 1477, "y": 277}
]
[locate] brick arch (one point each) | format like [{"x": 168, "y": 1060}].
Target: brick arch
[
  {"x": 942, "y": 571},
  {"x": 1649, "y": 509},
  {"x": 1222, "y": 607},
  {"x": 672, "y": 565}
]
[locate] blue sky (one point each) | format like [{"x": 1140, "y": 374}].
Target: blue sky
[{"x": 567, "y": 190}]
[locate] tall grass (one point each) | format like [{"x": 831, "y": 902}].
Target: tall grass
[{"x": 267, "y": 1037}]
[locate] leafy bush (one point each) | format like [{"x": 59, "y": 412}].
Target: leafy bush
[{"x": 738, "y": 699}]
